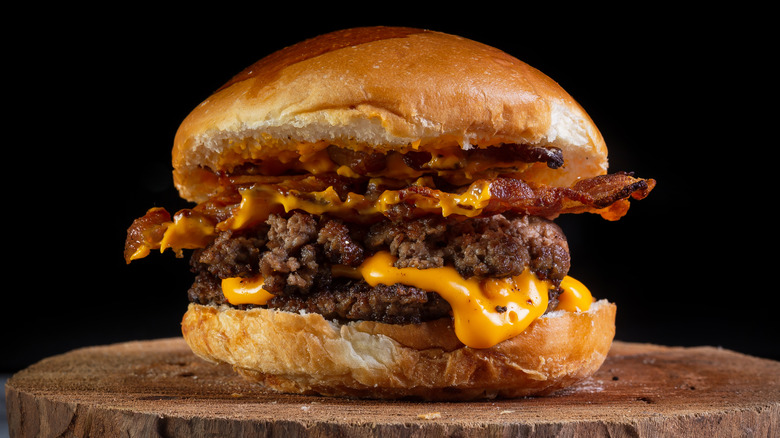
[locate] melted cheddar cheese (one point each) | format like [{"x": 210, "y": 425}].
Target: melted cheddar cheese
[
  {"x": 239, "y": 290},
  {"x": 185, "y": 232},
  {"x": 575, "y": 297},
  {"x": 485, "y": 311},
  {"x": 258, "y": 201}
]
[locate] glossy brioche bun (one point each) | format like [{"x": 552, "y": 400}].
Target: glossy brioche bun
[
  {"x": 385, "y": 89},
  {"x": 304, "y": 353}
]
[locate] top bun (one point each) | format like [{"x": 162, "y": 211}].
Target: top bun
[{"x": 384, "y": 89}]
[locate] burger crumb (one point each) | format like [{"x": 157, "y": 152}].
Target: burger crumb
[{"x": 430, "y": 416}]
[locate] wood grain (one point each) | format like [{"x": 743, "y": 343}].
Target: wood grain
[{"x": 159, "y": 388}]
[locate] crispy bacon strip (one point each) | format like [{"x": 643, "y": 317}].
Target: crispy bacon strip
[
  {"x": 551, "y": 156},
  {"x": 607, "y": 195},
  {"x": 146, "y": 231}
]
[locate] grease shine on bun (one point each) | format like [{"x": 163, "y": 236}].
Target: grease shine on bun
[{"x": 374, "y": 219}]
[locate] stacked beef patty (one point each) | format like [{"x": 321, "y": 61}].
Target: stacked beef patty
[{"x": 295, "y": 254}]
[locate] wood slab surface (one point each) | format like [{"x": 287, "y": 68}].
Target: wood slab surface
[{"x": 159, "y": 388}]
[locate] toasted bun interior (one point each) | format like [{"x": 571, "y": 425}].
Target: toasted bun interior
[
  {"x": 384, "y": 89},
  {"x": 304, "y": 353}
]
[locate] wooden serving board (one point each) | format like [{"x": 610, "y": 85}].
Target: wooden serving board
[{"x": 159, "y": 388}]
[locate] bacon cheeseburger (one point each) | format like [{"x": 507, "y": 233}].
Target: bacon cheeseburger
[{"x": 373, "y": 219}]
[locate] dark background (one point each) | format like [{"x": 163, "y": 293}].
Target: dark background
[{"x": 96, "y": 102}]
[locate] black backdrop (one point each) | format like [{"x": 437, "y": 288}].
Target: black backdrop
[{"x": 96, "y": 104}]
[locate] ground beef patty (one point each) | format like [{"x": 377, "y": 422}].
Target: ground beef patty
[{"x": 294, "y": 253}]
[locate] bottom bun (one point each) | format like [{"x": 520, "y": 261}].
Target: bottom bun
[{"x": 306, "y": 354}]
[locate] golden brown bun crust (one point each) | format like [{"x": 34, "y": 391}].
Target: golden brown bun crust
[
  {"x": 385, "y": 89},
  {"x": 304, "y": 353}
]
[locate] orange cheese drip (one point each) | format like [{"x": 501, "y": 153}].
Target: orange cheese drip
[
  {"x": 575, "y": 297},
  {"x": 239, "y": 290},
  {"x": 485, "y": 311},
  {"x": 186, "y": 232},
  {"x": 259, "y": 201}
]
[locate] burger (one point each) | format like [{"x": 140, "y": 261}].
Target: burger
[{"x": 372, "y": 216}]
